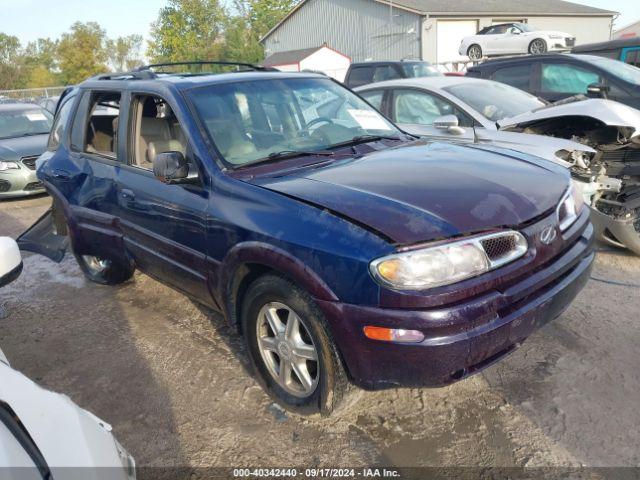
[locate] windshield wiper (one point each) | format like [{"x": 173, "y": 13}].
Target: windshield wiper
[
  {"x": 364, "y": 139},
  {"x": 283, "y": 155}
]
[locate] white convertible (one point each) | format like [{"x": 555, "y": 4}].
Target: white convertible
[
  {"x": 514, "y": 38},
  {"x": 44, "y": 435}
]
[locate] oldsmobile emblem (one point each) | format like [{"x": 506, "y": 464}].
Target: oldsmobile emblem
[{"x": 548, "y": 235}]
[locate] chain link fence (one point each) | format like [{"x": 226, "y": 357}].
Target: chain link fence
[{"x": 30, "y": 94}]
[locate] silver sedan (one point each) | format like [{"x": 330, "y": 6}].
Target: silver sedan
[{"x": 24, "y": 130}]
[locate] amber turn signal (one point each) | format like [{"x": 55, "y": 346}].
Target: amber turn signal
[{"x": 393, "y": 334}]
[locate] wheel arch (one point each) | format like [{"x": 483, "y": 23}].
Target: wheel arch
[{"x": 250, "y": 260}]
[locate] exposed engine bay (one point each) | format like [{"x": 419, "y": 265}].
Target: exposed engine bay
[{"x": 611, "y": 177}]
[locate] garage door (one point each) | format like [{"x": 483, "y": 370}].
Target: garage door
[{"x": 450, "y": 34}]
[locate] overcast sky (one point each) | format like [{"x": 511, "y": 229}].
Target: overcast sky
[{"x": 31, "y": 19}]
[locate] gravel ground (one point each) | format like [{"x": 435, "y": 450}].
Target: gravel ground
[{"x": 173, "y": 380}]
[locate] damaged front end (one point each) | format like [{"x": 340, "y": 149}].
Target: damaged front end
[{"x": 610, "y": 178}]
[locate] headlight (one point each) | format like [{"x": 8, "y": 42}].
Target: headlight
[
  {"x": 4, "y": 166},
  {"x": 570, "y": 206},
  {"x": 556, "y": 37},
  {"x": 450, "y": 262}
]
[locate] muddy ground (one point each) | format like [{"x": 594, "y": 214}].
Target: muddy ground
[{"x": 172, "y": 379}]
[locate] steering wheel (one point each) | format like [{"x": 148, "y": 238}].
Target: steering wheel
[{"x": 319, "y": 120}]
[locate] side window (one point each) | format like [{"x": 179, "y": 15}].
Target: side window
[
  {"x": 421, "y": 108},
  {"x": 101, "y": 134},
  {"x": 517, "y": 76},
  {"x": 632, "y": 57},
  {"x": 60, "y": 124},
  {"x": 563, "y": 78},
  {"x": 374, "y": 98},
  {"x": 386, "y": 72},
  {"x": 155, "y": 130},
  {"x": 360, "y": 76}
]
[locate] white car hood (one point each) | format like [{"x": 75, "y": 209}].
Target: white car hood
[
  {"x": 610, "y": 113},
  {"x": 66, "y": 435}
]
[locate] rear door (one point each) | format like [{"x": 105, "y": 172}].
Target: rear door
[{"x": 164, "y": 225}]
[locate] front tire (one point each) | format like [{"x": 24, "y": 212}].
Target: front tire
[
  {"x": 291, "y": 348},
  {"x": 537, "y": 47},
  {"x": 474, "y": 52}
]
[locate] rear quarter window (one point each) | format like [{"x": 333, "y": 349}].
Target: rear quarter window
[
  {"x": 360, "y": 76},
  {"x": 518, "y": 76}
]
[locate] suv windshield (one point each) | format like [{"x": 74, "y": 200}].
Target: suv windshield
[
  {"x": 251, "y": 121},
  {"x": 495, "y": 100},
  {"x": 619, "y": 69},
  {"x": 24, "y": 122},
  {"x": 420, "y": 69}
]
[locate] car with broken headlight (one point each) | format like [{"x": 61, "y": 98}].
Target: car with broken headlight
[
  {"x": 44, "y": 435},
  {"x": 24, "y": 130},
  {"x": 343, "y": 250},
  {"x": 597, "y": 140}
]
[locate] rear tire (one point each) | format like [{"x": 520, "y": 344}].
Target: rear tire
[
  {"x": 537, "y": 47},
  {"x": 104, "y": 271},
  {"x": 474, "y": 52},
  {"x": 302, "y": 370}
]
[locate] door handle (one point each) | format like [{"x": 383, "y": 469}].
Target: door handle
[
  {"x": 61, "y": 175},
  {"x": 128, "y": 194}
]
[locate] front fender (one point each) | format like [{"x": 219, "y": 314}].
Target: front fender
[{"x": 270, "y": 257}]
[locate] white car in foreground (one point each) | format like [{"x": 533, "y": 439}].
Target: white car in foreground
[
  {"x": 514, "y": 38},
  {"x": 44, "y": 435}
]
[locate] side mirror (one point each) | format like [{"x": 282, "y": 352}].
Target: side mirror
[
  {"x": 448, "y": 123},
  {"x": 598, "y": 90},
  {"x": 10, "y": 261},
  {"x": 170, "y": 167}
]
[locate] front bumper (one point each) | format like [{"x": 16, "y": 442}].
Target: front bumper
[
  {"x": 497, "y": 322},
  {"x": 20, "y": 183}
]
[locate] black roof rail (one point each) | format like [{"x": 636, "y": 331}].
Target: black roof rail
[
  {"x": 134, "y": 75},
  {"x": 249, "y": 66}
]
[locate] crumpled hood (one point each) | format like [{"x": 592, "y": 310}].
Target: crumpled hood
[
  {"x": 16, "y": 148},
  {"x": 66, "y": 435},
  {"x": 610, "y": 113},
  {"x": 427, "y": 191}
]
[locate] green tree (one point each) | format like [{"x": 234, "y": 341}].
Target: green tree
[
  {"x": 82, "y": 52},
  {"x": 40, "y": 63},
  {"x": 125, "y": 52},
  {"x": 253, "y": 20},
  {"x": 11, "y": 62},
  {"x": 188, "y": 30}
]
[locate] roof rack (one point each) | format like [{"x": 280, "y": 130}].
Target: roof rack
[
  {"x": 248, "y": 66},
  {"x": 147, "y": 72}
]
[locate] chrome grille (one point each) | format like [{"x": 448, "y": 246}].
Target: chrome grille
[
  {"x": 504, "y": 247},
  {"x": 29, "y": 162}
]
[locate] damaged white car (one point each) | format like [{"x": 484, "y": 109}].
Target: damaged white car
[
  {"x": 44, "y": 435},
  {"x": 598, "y": 140}
]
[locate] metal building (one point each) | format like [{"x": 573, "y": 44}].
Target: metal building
[{"x": 367, "y": 30}]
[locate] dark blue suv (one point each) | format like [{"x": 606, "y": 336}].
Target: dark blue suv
[{"x": 345, "y": 251}]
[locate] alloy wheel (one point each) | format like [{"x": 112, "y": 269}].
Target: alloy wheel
[
  {"x": 537, "y": 47},
  {"x": 475, "y": 53},
  {"x": 287, "y": 349}
]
